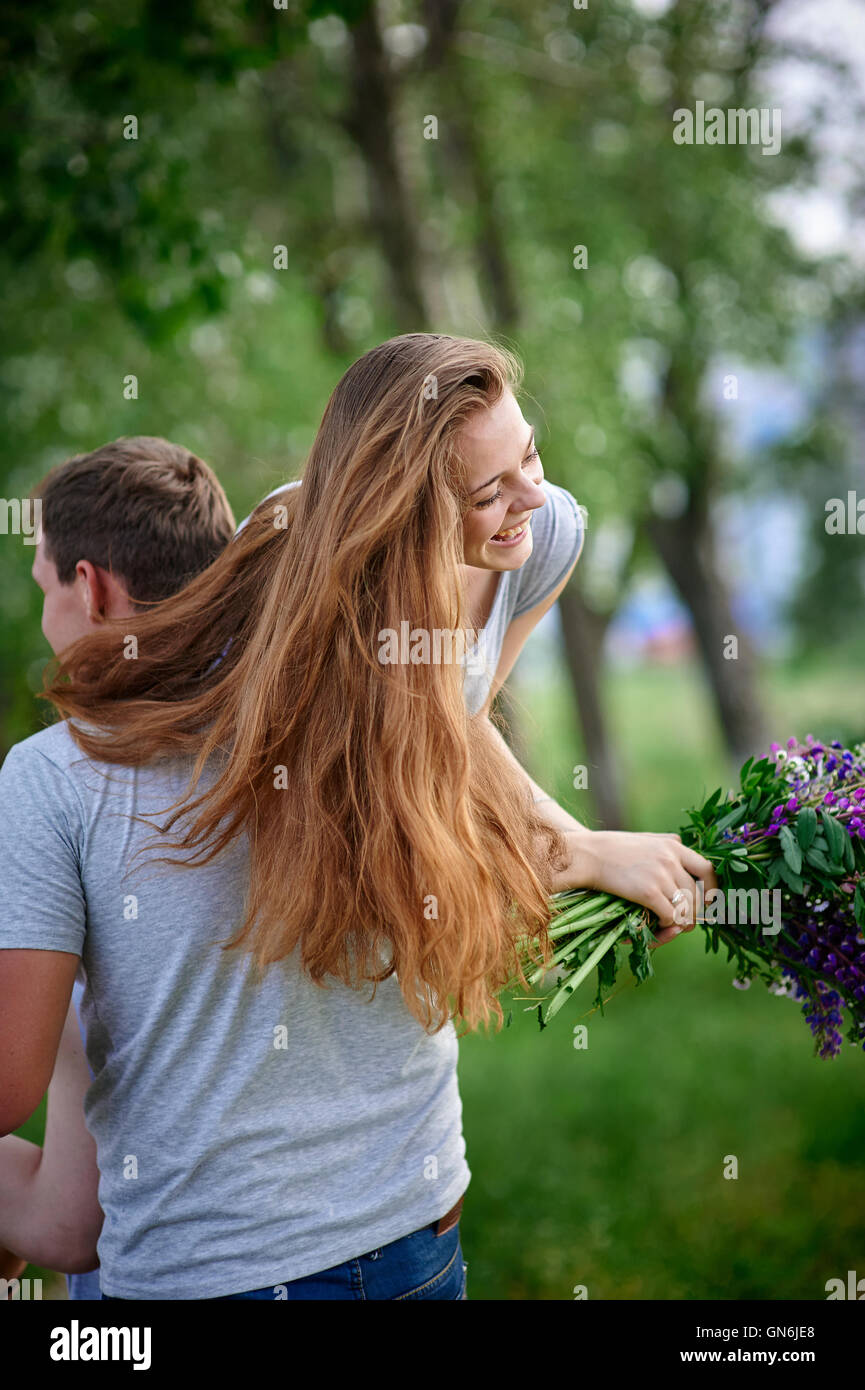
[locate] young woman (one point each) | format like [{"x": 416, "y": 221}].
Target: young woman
[{"x": 288, "y": 865}]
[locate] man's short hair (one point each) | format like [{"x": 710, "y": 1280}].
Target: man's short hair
[{"x": 148, "y": 511}]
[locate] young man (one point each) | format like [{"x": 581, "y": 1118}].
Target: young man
[{"x": 127, "y": 525}]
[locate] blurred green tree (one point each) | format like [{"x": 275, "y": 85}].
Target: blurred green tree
[{"x": 307, "y": 128}]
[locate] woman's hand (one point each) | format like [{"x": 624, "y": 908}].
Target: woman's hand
[{"x": 643, "y": 868}]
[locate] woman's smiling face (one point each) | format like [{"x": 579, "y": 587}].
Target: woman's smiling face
[{"x": 504, "y": 474}]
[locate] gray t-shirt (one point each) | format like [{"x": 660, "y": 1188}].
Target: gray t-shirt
[
  {"x": 82, "y": 1287},
  {"x": 247, "y": 1134},
  {"x": 558, "y": 532}
]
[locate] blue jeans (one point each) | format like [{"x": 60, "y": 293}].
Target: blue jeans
[{"x": 420, "y": 1265}]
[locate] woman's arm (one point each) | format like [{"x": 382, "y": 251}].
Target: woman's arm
[
  {"x": 644, "y": 868},
  {"x": 49, "y": 1209}
]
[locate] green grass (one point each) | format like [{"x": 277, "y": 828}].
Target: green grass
[{"x": 605, "y": 1167}]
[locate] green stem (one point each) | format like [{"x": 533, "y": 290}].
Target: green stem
[
  {"x": 577, "y": 978},
  {"x": 597, "y": 919},
  {"x": 573, "y": 942},
  {"x": 562, "y": 957},
  {"x": 586, "y": 908}
]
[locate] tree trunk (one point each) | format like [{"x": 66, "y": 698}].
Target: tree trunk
[
  {"x": 685, "y": 547},
  {"x": 584, "y": 632},
  {"x": 316, "y": 236},
  {"x": 468, "y": 164},
  {"x": 369, "y": 120}
]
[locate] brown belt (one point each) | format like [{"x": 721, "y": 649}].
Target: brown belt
[{"x": 450, "y": 1218}]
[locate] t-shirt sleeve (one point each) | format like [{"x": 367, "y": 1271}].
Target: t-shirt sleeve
[
  {"x": 42, "y": 903},
  {"x": 283, "y": 487},
  {"x": 558, "y": 532}
]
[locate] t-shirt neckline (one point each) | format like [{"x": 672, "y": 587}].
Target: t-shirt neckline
[{"x": 496, "y": 596}]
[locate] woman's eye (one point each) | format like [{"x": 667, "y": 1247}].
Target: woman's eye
[{"x": 488, "y": 501}]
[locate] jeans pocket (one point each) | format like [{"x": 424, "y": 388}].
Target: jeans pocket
[
  {"x": 463, "y": 1295},
  {"x": 444, "y": 1282}
]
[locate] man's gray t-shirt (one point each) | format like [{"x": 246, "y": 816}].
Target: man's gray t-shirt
[
  {"x": 82, "y": 1286},
  {"x": 248, "y": 1132}
]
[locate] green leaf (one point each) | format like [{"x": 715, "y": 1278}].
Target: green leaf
[
  {"x": 806, "y": 826},
  {"x": 859, "y": 905},
  {"x": 817, "y": 860},
  {"x": 746, "y": 768},
  {"x": 774, "y": 872},
  {"x": 640, "y": 958},
  {"x": 606, "y": 977},
  {"x": 737, "y": 866},
  {"x": 791, "y": 850},
  {"x": 792, "y": 880},
  {"x": 849, "y": 860},
  {"x": 726, "y": 822},
  {"x": 836, "y": 835}
]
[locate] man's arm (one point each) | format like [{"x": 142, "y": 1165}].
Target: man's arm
[
  {"x": 35, "y": 990},
  {"x": 49, "y": 1207}
]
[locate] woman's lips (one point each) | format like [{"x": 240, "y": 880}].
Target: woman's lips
[{"x": 516, "y": 539}]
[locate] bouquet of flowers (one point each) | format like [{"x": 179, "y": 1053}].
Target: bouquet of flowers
[{"x": 792, "y": 835}]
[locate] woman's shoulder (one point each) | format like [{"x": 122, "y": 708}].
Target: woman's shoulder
[
  {"x": 283, "y": 487},
  {"x": 558, "y": 534}
]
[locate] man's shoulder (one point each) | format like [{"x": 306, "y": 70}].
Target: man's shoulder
[
  {"x": 38, "y": 782},
  {"x": 54, "y": 743},
  {"x": 48, "y": 761}
]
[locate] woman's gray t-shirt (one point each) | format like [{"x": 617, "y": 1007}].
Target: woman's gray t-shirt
[
  {"x": 558, "y": 533},
  {"x": 247, "y": 1133}
]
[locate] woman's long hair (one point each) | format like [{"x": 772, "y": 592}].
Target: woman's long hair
[{"x": 380, "y": 814}]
